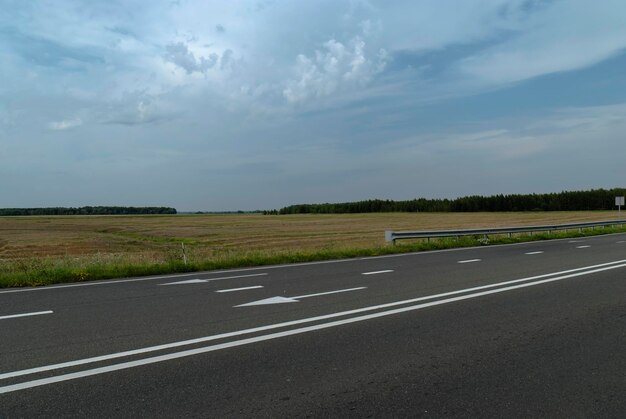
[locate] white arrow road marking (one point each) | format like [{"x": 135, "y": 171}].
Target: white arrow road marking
[
  {"x": 377, "y": 272},
  {"x": 272, "y": 300},
  {"x": 201, "y": 281},
  {"x": 470, "y": 261},
  {"x": 241, "y": 289},
  {"x": 189, "y": 281},
  {"x": 282, "y": 300},
  {"x": 37, "y": 313}
]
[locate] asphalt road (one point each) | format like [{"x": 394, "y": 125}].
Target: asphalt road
[{"x": 528, "y": 330}]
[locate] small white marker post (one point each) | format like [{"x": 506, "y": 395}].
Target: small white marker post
[{"x": 619, "y": 201}]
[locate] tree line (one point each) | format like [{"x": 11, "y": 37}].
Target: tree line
[
  {"x": 100, "y": 210},
  {"x": 595, "y": 199}
]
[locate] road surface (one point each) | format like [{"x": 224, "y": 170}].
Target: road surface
[{"x": 526, "y": 330}]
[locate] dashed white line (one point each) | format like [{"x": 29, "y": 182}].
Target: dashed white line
[
  {"x": 582, "y": 247},
  {"x": 241, "y": 289},
  {"x": 377, "y": 272},
  {"x": 36, "y": 313},
  {"x": 470, "y": 261},
  {"x": 535, "y": 253}
]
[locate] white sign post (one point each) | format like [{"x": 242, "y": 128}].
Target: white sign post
[{"x": 619, "y": 201}]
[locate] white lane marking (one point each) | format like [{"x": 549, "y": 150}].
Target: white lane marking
[
  {"x": 377, "y": 272},
  {"x": 190, "y": 352},
  {"x": 241, "y": 289},
  {"x": 200, "y": 281},
  {"x": 576, "y": 241},
  {"x": 187, "y": 282},
  {"x": 328, "y": 293},
  {"x": 621, "y": 241},
  {"x": 283, "y": 300},
  {"x": 582, "y": 247},
  {"x": 534, "y": 253},
  {"x": 36, "y": 313},
  {"x": 268, "y": 301},
  {"x": 470, "y": 261},
  {"x": 289, "y": 323}
]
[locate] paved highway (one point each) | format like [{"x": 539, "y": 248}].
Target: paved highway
[{"x": 527, "y": 330}]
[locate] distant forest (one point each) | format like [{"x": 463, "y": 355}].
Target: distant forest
[
  {"x": 596, "y": 199},
  {"x": 87, "y": 211}
]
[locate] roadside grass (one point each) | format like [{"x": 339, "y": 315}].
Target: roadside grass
[{"x": 47, "y": 270}]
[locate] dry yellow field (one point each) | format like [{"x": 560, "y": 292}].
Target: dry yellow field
[{"x": 155, "y": 239}]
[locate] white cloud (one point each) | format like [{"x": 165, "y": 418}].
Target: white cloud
[
  {"x": 136, "y": 109},
  {"x": 178, "y": 53},
  {"x": 560, "y": 132},
  {"x": 565, "y": 36},
  {"x": 212, "y": 81},
  {"x": 436, "y": 24},
  {"x": 336, "y": 68},
  {"x": 65, "y": 124},
  {"x": 501, "y": 144}
]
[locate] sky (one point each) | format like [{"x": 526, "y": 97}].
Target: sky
[{"x": 244, "y": 105}]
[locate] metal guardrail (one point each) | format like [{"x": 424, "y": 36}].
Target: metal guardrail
[{"x": 392, "y": 236}]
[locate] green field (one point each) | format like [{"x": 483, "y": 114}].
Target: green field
[{"x": 45, "y": 250}]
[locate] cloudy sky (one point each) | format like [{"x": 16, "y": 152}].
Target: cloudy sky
[{"x": 228, "y": 105}]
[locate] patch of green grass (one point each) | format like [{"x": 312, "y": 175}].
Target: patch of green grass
[{"x": 47, "y": 271}]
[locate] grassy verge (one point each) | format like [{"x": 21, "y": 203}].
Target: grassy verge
[{"x": 54, "y": 270}]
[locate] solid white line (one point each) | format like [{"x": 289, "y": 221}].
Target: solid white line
[
  {"x": 37, "y": 313},
  {"x": 582, "y": 247},
  {"x": 241, "y": 289},
  {"x": 377, "y": 272},
  {"x": 294, "y": 322},
  {"x": 176, "y": 355},
  {"x": 327, "y": 293},
  {"x": 534, "y": 253},
  {"x": 469, "y": 261}
]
